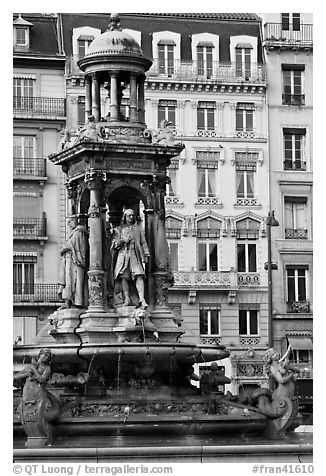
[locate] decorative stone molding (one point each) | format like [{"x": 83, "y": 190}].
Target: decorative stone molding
[
  {"x": 192, "y": 296},
  {"x": 210, "y": 340},
  {"x": 249, "y": 341},
  {"x": 248, "y": 279},
  {"x": 232, "y": 296}
]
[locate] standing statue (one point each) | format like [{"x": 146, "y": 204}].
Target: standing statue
[
  {"x": 73, "y": 283},
  {"x": 38, "y": 407},
  {"x": 131, "y": 250}
]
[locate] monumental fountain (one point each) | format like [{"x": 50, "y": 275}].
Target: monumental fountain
[{"x": 117, "y": 364}]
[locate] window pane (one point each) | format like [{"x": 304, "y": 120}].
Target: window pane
[
  {"x": 160, "y": 115},
  {"x": 171, "y": 115},
  {"x": 21, "y": 34},
  {"x": 240, "y": 184},
  {"x": 211, "y": 192},
  {"x": 304, "y": 356},
  {"x": 302, "y": 296},
  {"x": 212, "y": 257},
  {"x": 239, "y": 120},
  {"x": 200, "y": 119},
  {"x": 161, "y": 59},
  {"x": 296, "y": 21},
  {"x": 201, "y": 183},
  {"x": 250, "y": 184},
  {"x": 210, "y": 119},
  {"x": 214, "y": 321},
  {"x": 252, "y": 258},
  {"x": 288, "y": 208},
  {"x": 81, "y": 110},
  {"x": 291, "y": 286},
  {"x": 285, "y": 21},
  {"x": 202, "y": 265},
  {"x": 203, "y": 321},
  {"x": 174, "y": 255},
  {"x": 253, "y": 322},
  {"x": 242, "y": 322},
  {"x": 249, "y": 120},
  {"x": 241, "y": 258}
]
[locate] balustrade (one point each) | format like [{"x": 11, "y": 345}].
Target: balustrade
[
  {"x": 39, "y": 106},
  {"x": 35, "y": 293},
  {"x": 29, "y": 168}
]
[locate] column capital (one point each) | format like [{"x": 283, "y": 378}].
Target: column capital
[
  {"x": 71, "y": 190},
  {"x": 94, "y": 178}
]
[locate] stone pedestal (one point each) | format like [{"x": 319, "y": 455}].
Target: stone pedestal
[
  {"x": 97, "y": 327},
  {"x": 65, "y": 322}
]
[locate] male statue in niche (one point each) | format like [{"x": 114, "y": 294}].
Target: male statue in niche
[{"x": 130, "y": 254}]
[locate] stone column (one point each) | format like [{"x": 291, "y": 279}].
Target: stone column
[
  {"x": 114, "y": 96},
  {"x": 141, "y": 99},
  {"x": 133, "y": 98},
  {"x": 71, "y": 200},
  {"x": 96, "y": 274},
  {"x": 88, "y": 96},
  {"x": 149, "y": 226},
  {"x": 96, "y": 98}
]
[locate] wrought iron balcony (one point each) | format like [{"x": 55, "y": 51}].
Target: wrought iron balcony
[
  {"x": 298, "y": 307},
  {"x": 39, "y": 106},
  {"x": 295, "y": 165},
  {"x": 35, "y": 293},
  {"x": 173, "y": 232},
  {"x": 248, "y": 279},
  {"x": 274, "y": 35},
  {"x": 293, "y": 99},
  {"x": 29, "y": 168},
  {"x": 195, "y": 70},
  {"x": 296, "y": 234},
  {"x": 29, "y": 228}
]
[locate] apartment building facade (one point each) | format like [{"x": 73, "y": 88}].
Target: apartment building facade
[
  {"x": 288, "y": 45},
  {"x": 38, "y": 187},
  {"x": 208, "y": 80}
]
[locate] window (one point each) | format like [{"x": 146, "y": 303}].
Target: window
[
  {"x": 205, "y": 60},
  {"x": 294, "y": 149},
  {"x": 81, "y": 110},
  {"x": 243, "y": 61},
  {"x": 166, "y": 57},
  {"x": 293, "y": 92},
  {"x": 171, "y": 188},
  {"x": 173, "y": 248},
  {"x": 247, "y": 261},
  {"x": 295, "y": 21},
  {"x": 206, "y": 182},
  {"x": 23, "y": 274},
  {"x": 244, "y": 117},
  {"x": 83, "y": 44},
  {"x": 297, "y": 283},
  {"x": 25, "y": 327},
  {"x": 302, "y": 356},
  {"x": 206, "y": 116},
  {"x": 24, "y": 147},
  {"x": 295, "y": 211},
  {"x": 248, "y": 322},
  {"x": 166, "y": 110},
  {"x": 245, "y": 184},
  {"x": 21, "y": 36},
  {"x": 209, "y": 317},
  {"x": 23, "y": 92},
  {"x": 207, "y": 256}
]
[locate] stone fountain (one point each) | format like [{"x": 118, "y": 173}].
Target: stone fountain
[{"x": 116, "y": 365}]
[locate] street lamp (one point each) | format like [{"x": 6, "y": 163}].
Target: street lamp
[{"x": 271, "y": 221}]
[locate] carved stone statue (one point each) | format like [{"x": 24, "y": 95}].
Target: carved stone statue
[
  {"x": 165, "y": 134},
  {"x": 283, "y": 374},
  {"x": 38, "y": 407},
  {"x": 73, "y": 282},
  {"x": 130, "y": 253},
  {"x": 91, "y": 131}
]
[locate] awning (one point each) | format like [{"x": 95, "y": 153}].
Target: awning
[
  {"x": 244, "y": 45},
  {"x": 300, "y": 343},
  {"x": 86, "y": 37},
  {"x": 206, "y": 43}
]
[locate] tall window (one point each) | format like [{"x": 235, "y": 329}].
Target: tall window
[
  {"x": 171, "y": 188},
  {"x": 23, "y": 92},
  {"x": 174, "y": 259},
  {"x": 83, "y": 44},
  {"x": 245, "y": 184},
  {"x": 294, "y": 149},
  {"x": 295, "y": 24},
  {"x": 166, "y": 57},
  {"x": 297, "y": 283},
  {"x": 207, "y": 256},
  {"x": 206, "y": 177},
  {"x": 166, "y": 110},
  {"x": 24, "y": 147},
  {"x": 23, "y": 274},
  {"x": 206, "y": 116},
  {"x": 21, "y": 36},
  {"x": 293, "y": 87},
  {"x": 295, "y": 217},
  {"x": 247, "y": 260},
  {"x": 205, "y": 60},
  {"x": 244, "y": 117},
  {"x": 81, "y": 110},
  {"x": 209, "y": 318},
  {"x": 243, "y": 61},
  {"x": 248, "y": 322}
]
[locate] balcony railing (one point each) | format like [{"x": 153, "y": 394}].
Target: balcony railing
[
  {"x": 248, "y": 279},
  {"x": 246, "y": 202},
  {"x": 37, "y": 106},
  {"x": 35, "y": 293},
  {"x": 203, "y": 278},
  {"x": 194, "y": 70},
  {"x": 298, "y": 307},
  {"x": 29, "y": 227},
  {"x": 274, "y": 34},
  {"x": 296, "y": 234},
  {"x": 293, "y": 99},
  {"x": 295, "y": 165},
  {"x": 29, "y": 168}
]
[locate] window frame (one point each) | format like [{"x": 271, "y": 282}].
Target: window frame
[
  {"x": 204, "y": 66},
  {"x": 26, "y": 36},
  {"x": 248, "y": 322},
  {"x": 247, "y": 266},
  {"x": 207, "y": 171},
  {"x": 242, "y": 65},
  {"x": 207, "y": 243},
  {"x": 169, "y": 112},
  {"x": 208, "y": 113},
  {"x": 245, "y": 183},
  {"x": 175, "y": 254},
  {"x": 165, "y": 63},
  {"x": 293, "y": 159},
  {"x": 296, "y": 283},
  {"x": 288, "y": 98},
  {"x": 245, "y": 114},
  {"x": 209, "y": 317}
]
